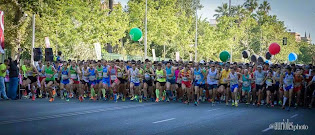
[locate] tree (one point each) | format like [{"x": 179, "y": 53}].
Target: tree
[
  {"x": 221, "y": 11},
  {"x": 264, "y": 7},
  {"x": 251, "y": 5}
]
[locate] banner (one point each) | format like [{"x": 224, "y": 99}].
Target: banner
[
  {"x": 47, "y": 42},
  {"x": 153, "y": 53},
  {"x": 1, "y": 32},
  {"x": 177, "y": 56},
  {"x": 98, "y": 51}
]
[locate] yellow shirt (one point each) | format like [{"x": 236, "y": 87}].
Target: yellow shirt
[{"x": 224, "y": 76}]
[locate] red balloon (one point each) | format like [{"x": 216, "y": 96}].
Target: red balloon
[{"x": 274, "y": 48}]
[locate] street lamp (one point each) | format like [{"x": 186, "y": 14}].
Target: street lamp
[{"x": 145, "y": 29}]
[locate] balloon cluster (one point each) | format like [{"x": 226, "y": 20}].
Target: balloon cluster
[{"x": 274, "y": 49}]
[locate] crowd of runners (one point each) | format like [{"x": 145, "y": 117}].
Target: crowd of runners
[{"x": 170, "y": 81}]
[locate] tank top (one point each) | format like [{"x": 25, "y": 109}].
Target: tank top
[
  {"x": 288, "y": 79},
  {"x": 259, "y": 77},
  {"x": 169, "y": 72},
  {"x": 73, "y": 74},
  {"x": 177, "y": 79},
  {"x": 159, "y": 74},
  {"x": 298, "y": 80},
  {"x": 211, "y": 77},
  {"x": 269, "y": 81},
  {"x": 92, "y": 75},
  {"x": 64, "y": 74},
  {"x": 101, "y": 72},
  {"x": 49, "y": 74},
  {"x": 147, "y": 73},
  {"x": 185, "y": 75},
  {"x": 234, "y": 79},
  {"x": 84, "y": 76},
  {"x": 246, "y": 82},
  {"x": 120, "y": 73},
  {"x": 199, "y": 76},
  {"x": 134, "y": 75},
  {"x": 113, "y": 73}
]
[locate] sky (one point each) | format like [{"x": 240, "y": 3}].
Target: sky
[{"x": 298, "y": 15}]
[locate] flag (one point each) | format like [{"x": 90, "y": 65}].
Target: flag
[{"x": 1, "y": 32}]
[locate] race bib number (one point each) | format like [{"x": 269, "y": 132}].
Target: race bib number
[
  {"x": 268, "y": 82},
  {"x": 178, "y": 80},
  {"x": 64, "y": 77},
  {"x": 113, "y": 77},
  {"x": 104, "y": 74},
  {"x": 198, "y": 77},
  {"x": 73, "y": 76},
  {"x": 246, "y": 84},
  {"x": 92, "y": 78},
  {"x": 147, "y": 76},
  {"x": 185, "y": 79},
  {"x": 259, "y": 80},
  {"x": 48, "y": 75},
  {"x": 119, "y": 74}
]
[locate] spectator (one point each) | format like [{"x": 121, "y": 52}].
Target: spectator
[
  {"x": 14, "y": 73},
  {"x": 3, "y": 70}
]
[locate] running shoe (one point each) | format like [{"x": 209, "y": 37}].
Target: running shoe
[
  {"x": 167, "y": 100},
  {"x": 136, "y": 98},
  {"x": 81, "y": 98},
  {"x": 258, "y": 104},
  {"x": 233, "y": 103},
  {"x": 140, "y": 100},
  {"x": 54, "y": 93},
  {"x": 157, "y": 100},
  {"x": 310, "y": 106},
  {"x": 51, "y": 99},
  {"x": 123, "y": 99},
  {"x": 132, "y": 98},
  {"x": 196, "y": 103},
  {"x": 247, "y": 103},
  {"x": 40, "y": 96},
  {"x": 295, "y": 105},
  {"x": 275, "y": 102},
  {"x": 115, "y": 97},
  {"x": 174, "y": 98},
  {"x": 280, "y": 102},
  {"x": 163, "y": 98},
  {"x": 272, "y": 105},
  {"x": 213, "y": 104},
  {"x": 226, "y": 103},
  {"x": 236, "y": 104},
  {"x": 283, "y": 107},
  {"x": 84, "y": 95},
  {"x": 288, "y": 108},
  {"x": 254, "y": 104},
  {"x": 209, "y": 100},
  {"x": 33, "y": 98},
  {"x": 186, "y": 102}
]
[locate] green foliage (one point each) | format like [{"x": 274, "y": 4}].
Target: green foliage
[{"x": 73, "y": 26}]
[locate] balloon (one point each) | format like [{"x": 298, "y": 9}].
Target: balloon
[
  {"x": 254, "y": 58},
  {"x": 135, "y": 34},
  {"x": 292, "y": 57},
  {"x": 261, "y": 59},
  {"x": 274, "y": 48},
  {"x": 268, "y": 61},
  {"x": 245, "y": 54},
  {"x": 268, "y": 56},
  {"x": 224, "y": 56}
]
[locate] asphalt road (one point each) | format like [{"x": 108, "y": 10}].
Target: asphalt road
[{"x": 106, "y": 117}]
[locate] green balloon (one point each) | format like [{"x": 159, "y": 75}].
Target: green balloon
[
  {"x": 224, "y": 56},
  {"x": 135, "y": 34}
]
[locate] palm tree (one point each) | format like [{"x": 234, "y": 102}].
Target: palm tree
[
  {"x": 251, "y": 5},
  {"x": 264, "y": 7},
  {"x": 222, "y": 11},
  {"x": 237, "y": 10}
]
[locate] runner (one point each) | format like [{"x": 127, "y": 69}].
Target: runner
[
  {"x": 259, "y": 77},
  {"x": 298, "y": 81},
  {"x": 288, "y": 82},
  {"x": 160, "y": 82},
  {"x": 134, "y": 76},
  {"x": 246, "y": 85},
  {"x": 114, "y": 82},
  {"x": 233, "y": 79},
  {"x": 42, "y": 77},
  {"x": 170, "y": 81},
  {"x": 270, "y": 81},
  {"x": 30, "y": 78},
  {"x": 92, "y": 74},
  {"x": 212, "y": 82},
  {"x": 122, "y": 76},
  {"x": 65, "y": 81},
  {"x": 102, "y": 83},
  {"x": 74, "y": 72},
  {"x": 85, "y": 79},
  {"x": 224, "y": 83},
  {"x": 186, "y": 77},
  {"x": 49, "y": 71},
  {"x": 199, "y": 82},
  {"x": 148, "y": 81}
]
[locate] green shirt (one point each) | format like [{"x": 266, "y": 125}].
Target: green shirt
[{"x": 3, "y": 67}]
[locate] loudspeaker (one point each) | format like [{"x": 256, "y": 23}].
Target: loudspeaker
[
  {"x": 49, "y": 55},
  {"x": 37, "y": 54}
]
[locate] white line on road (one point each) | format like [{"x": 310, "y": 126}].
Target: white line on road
[
  {"x": 267, "y": 129},
  {"x": 163, "y": 120},
  {"x": 213, "y": 109},
  {"x": 70, "y": 114},
  {"x": 294, "y": 116}
]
